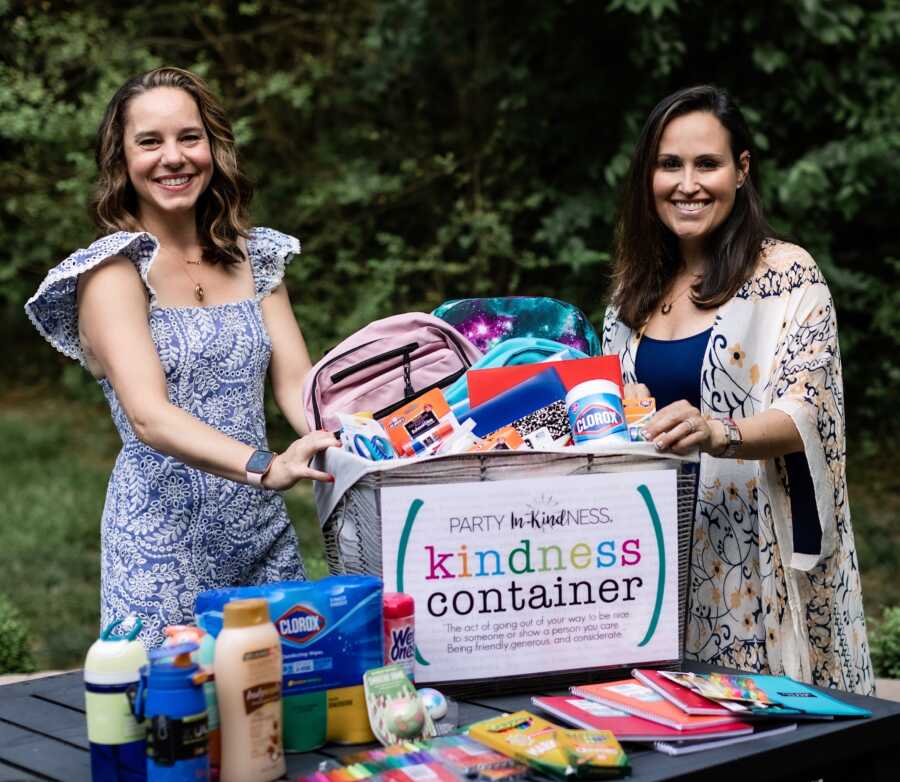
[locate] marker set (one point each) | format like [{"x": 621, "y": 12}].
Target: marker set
[{"x": 443, "y": 759}]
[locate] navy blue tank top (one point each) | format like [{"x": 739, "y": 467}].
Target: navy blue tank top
[{"x": 671, "y": 370}]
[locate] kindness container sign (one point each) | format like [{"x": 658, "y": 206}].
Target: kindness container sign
[{"x": 534, "y": 576}]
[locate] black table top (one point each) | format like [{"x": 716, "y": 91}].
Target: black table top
[{"x": 43, "y": 736}]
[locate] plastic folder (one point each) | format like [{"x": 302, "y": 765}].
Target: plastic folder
[
  {"x": 485, "y": 384},
  {"x": 536, "y": 392}
]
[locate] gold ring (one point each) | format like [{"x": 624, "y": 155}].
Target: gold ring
[{"x": 690, "y": 423}]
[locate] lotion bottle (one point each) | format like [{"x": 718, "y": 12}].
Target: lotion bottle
[{"x": 248, "y": 688}]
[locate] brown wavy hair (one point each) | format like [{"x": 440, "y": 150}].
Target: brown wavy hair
[
  {"x": 647, "y": 255},
  {"x": 222, "y": 209}
]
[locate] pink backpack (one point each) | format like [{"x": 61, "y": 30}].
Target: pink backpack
[{"x": 383, "y": 365}]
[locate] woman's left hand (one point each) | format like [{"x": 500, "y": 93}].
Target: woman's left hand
[{"x": 679, "y": 427}]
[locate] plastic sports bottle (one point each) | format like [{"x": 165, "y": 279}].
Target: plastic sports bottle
[
  {"x": 170, "y": 695},
  {"x": 118, "y": 740}
]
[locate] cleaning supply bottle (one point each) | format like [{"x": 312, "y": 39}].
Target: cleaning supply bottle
[
  {"x": 248, "y": 687},
  {"x": 118, "y": 740},
  {"x": 170, "y": 696}
]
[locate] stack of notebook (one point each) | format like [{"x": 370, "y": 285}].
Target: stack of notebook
[{"x": 687, "y": 712}]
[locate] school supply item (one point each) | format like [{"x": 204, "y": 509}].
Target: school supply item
[
  {"x": 527, "y": 738},
  {"x": 331, "y": 632},
  {"x": 395, "y": 711},
  {"x": 485, "y": 384},
  {"x": 506, "y": 438},
  {"x": 403, "y": 753},
  {"x": 461, "y": 441},
  {"x": 248, "y": 687},
  {"x": 535, "y": 394},
  {"x": 636, "y": 698},
  {"x": 421, "y": 425},
  {"x": 638, "y": 413},
  {"x": 687, "y": 747},
  {"x": 488, "y": 322},
  {"x": 595, "y": 412},
  {"x": 763, "y": 695},
  {"x": 118, "y": 740},
  {"x": 470, "y": 759},
  {"x": 385, "y": 365},
  {"x": 584, "y": 713},
  {"x": 400, "y": 632},
  {"x": 170, "y": 696},
  {"x": 593, "y": 753},
  {"x": 685, "y": 699},
  {"x": 365, "y": 437},
  {"x": 511, "y": 352}
]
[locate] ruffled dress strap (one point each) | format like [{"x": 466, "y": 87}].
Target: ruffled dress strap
[
  {"x": 54, "y": 308},
  {"x": 270, "y": 251}
]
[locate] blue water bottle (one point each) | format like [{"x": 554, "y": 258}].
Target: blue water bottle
[{"x": 170, "y": 696}]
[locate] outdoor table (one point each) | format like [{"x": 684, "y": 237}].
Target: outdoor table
[{"x": 43, "y": 736}]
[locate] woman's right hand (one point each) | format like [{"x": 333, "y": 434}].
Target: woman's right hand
[{"x": 293, "y": 465}]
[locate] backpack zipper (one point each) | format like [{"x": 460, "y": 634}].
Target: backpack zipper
[
  {"x": 404, "y": 351},
  {"x": 450, "y": 379}
]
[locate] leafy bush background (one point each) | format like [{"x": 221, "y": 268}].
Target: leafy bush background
[
  {"x": 15, "y": 653},
  {"x": 431, "y": 149}
]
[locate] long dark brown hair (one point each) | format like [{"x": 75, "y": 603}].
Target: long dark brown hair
[
  {"x": 647, "y": 255},
  {"x": 222, "y": 209}
]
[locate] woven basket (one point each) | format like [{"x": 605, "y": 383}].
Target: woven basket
[{"x": 352, "y": 530}]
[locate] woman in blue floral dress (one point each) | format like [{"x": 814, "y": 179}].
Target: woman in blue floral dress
[
  {"x": 735, "y": 334},
  {"x": 179, "y": 311}
]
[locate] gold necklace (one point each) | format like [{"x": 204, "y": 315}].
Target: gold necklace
[
  {"x": 199, "y": 293},
  {"x": 667, "y": 306}
]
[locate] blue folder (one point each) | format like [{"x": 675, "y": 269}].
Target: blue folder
[
  {"x": 791, "y": 694},
  {"x": 537, "y": 392}
]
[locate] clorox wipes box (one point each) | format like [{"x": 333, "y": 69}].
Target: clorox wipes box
[{"x": 331, "y": 634}]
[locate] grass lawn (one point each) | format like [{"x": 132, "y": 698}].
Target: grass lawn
[{"x": 56, "y": 455}]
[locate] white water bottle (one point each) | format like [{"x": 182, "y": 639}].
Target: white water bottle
[{"x": 118, "y": 741}]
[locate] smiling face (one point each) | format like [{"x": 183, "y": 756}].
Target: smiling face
[
  {"x": 695, "y": 178},
  {"x": 167, "y": 151}
]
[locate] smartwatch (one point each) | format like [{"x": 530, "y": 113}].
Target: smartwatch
[{"x": 258, "y": 465}]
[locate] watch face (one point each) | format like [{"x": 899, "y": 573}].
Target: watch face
[{"x": 260, "y": 461}]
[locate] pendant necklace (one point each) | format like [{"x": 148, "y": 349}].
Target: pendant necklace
[
  {"x": 199, "y": 293},
  {"x": 667, "y": 306}
]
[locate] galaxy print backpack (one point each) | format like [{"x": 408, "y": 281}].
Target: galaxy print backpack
[{"x": 488, "y": 322}]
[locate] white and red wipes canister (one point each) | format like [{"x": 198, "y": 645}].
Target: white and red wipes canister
[{"x": 400, "y": 632}]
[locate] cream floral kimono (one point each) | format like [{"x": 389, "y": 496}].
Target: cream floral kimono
[{"x": 755, "y": 603}]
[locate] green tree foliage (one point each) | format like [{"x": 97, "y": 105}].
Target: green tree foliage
[
  {"x": 884, "y": 641},
  {"x": 15, "y": 654},
  {"x": 429, "y": 149}
]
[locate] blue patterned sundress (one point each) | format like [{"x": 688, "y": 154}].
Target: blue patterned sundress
[{"x": 168, "y": 530}]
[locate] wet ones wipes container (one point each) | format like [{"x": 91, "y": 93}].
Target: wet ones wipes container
[{"x": 595, "y": 412}]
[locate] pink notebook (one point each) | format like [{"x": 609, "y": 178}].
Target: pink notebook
[
  {"x": 640, "y": 701},
  {"x": 686, "y": 700},
  {"x": 591, "y": 715}
]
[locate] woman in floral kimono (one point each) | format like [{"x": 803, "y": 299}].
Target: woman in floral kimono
[{"x": 734, "y": 333}]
